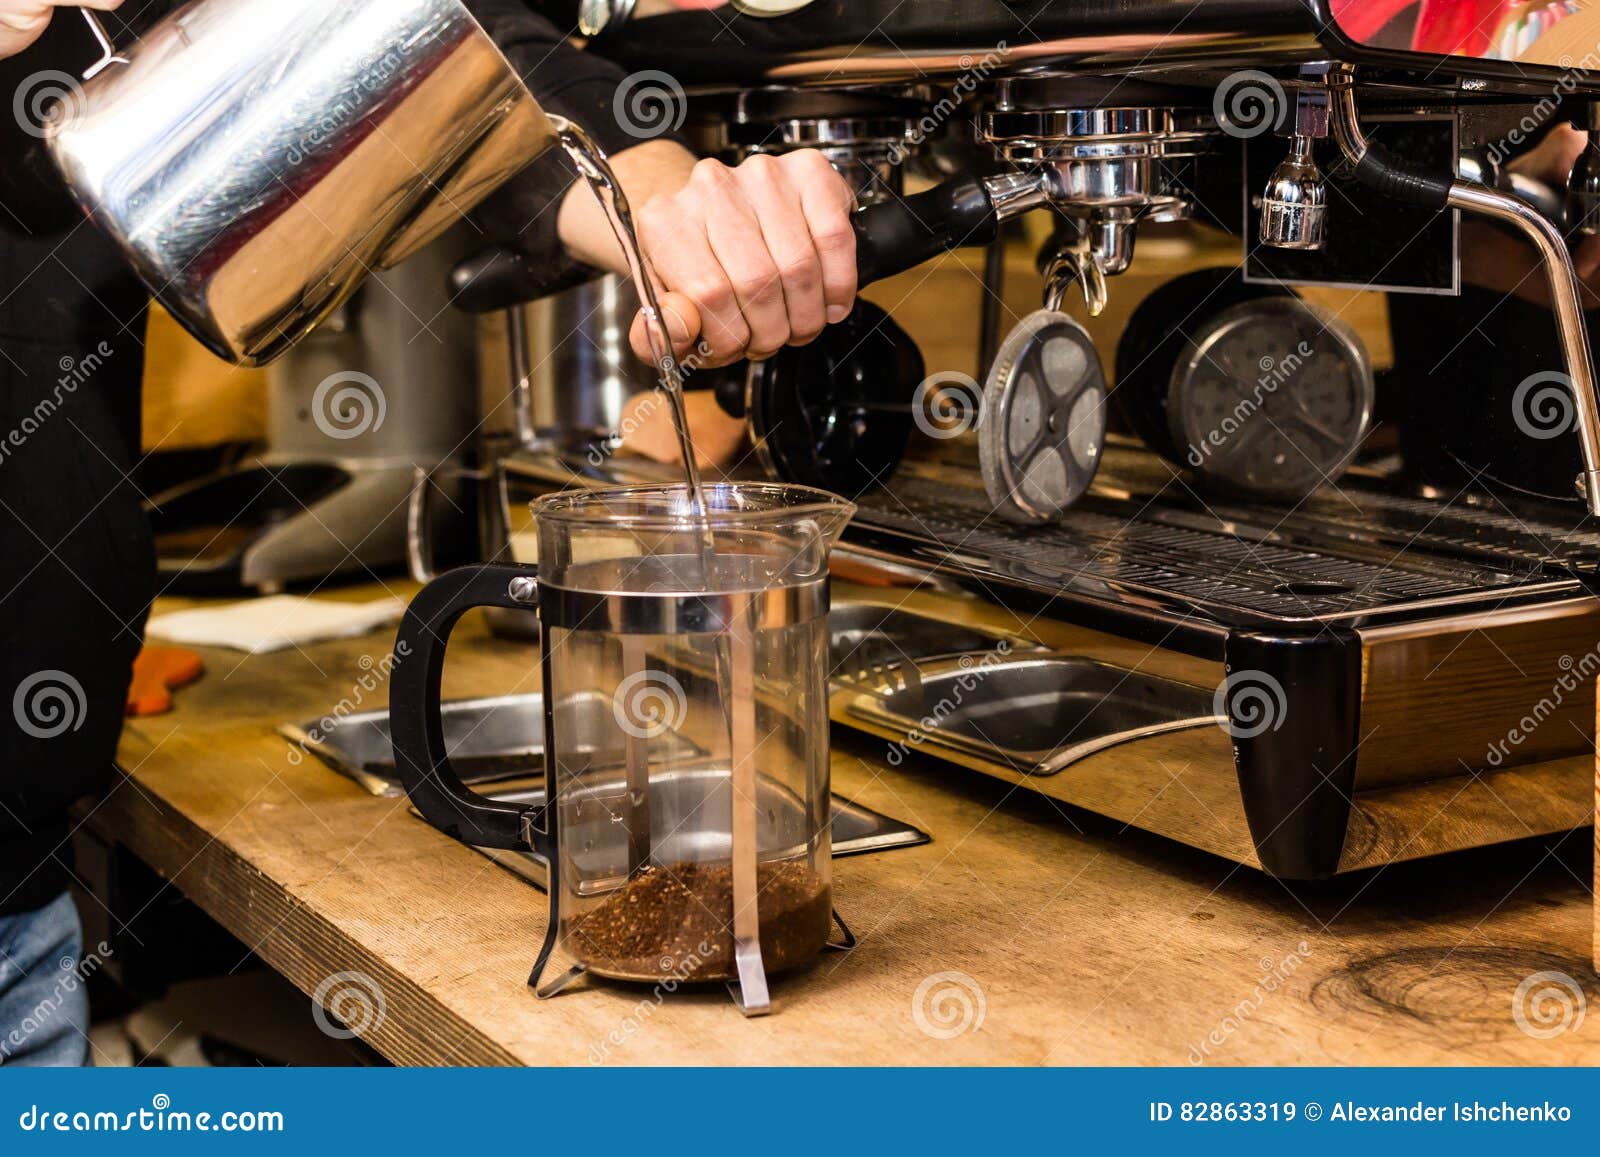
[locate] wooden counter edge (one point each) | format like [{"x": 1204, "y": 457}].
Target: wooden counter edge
[{"x": 229, "y": 890}]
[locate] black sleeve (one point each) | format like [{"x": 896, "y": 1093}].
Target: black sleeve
[
  {"x": 33, "y": 199},
  {"x": 568, "y": 82}
]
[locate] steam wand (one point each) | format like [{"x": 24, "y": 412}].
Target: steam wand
[{"x": 1375, "y": 166}]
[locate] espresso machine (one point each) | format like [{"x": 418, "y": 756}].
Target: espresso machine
[{"x": 1183, "y": 578}]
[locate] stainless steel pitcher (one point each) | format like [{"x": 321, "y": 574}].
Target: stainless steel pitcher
[{"x": 256, "y": 159}]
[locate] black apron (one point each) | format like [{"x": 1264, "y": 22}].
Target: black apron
[{"x": 77, "y": 567}]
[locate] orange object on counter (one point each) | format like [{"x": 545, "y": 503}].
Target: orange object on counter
[{"x": 157, "y": 672}]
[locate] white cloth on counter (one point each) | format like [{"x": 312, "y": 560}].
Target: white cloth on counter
[{"x": 272, "y": 624}]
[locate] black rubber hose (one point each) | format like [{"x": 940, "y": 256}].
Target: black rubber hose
[{"x": 1382, "y": 170}]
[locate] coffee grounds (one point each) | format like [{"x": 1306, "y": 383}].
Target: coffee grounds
[{"x": 677, "y": 922}]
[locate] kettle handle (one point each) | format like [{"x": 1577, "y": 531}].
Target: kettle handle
[
  {"x": 417, "y": 727},
  {"x": 108, "y": 51}
]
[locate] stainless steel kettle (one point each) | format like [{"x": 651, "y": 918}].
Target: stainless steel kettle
[{"x": 256, "y": 159}]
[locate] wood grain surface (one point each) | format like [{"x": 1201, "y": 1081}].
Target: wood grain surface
[{"x": 1027, "y": 932}]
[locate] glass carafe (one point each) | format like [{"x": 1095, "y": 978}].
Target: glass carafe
[{"x": 687, "y": 833}]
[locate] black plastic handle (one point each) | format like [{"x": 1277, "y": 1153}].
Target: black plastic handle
[
  {"x": 415, "y": 723},
  {"x": 898, "y": 235},
  {"x": 494, "y": 279}
]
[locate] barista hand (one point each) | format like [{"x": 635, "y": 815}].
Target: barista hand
[
  {"x": 24, "y": 21},
  {"x": 753, "y": 258}
]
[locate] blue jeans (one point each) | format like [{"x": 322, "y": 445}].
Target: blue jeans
[{"x": 44, "y": 1000}]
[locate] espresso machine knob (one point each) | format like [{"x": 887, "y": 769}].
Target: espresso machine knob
[
  {"x": 837, "y": 413},
  {"x": 1259, "y": 394}
]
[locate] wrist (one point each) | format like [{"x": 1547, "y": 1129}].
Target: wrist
[{"x": 643, "y": 171}]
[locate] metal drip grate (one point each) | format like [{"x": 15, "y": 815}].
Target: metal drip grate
[
  {"x": 1502, "y": 533},
  {"x": 1267, "y": 567}
]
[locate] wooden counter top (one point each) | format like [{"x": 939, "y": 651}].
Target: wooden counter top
[{"x": 1079, "y": 941}]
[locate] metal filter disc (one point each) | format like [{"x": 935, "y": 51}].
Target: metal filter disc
[
  {"x": 1273, "y": 398},
  {"x": 1044, "y": 419}
]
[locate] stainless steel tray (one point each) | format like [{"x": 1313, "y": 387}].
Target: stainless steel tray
[
  {"x": 488, "y": 740},
  {"x": 856, "y": 829},
  {"x": 863, "y": 633},
  {"x": 1036, "y": 714},
  {"x": 1358, "y": 556},
  {"x": 499, "y": 739}
]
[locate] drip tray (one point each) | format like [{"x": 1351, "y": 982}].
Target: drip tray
[{"x": 1034, "y": 715}]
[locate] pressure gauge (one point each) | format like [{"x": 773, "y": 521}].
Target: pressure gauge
[{"x": 1272, "y": 398}]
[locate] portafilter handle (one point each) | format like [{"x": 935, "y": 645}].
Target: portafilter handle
[
  {"x": 495, "y": 278},
  {"x": 897, "y": 235}
]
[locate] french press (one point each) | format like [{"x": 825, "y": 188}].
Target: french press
[{"x": 692, "y": 843}]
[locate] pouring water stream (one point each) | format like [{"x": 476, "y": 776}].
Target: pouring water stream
[
  {"x": 593, "y": 167},
  {"x": 736, "y": 646}
]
